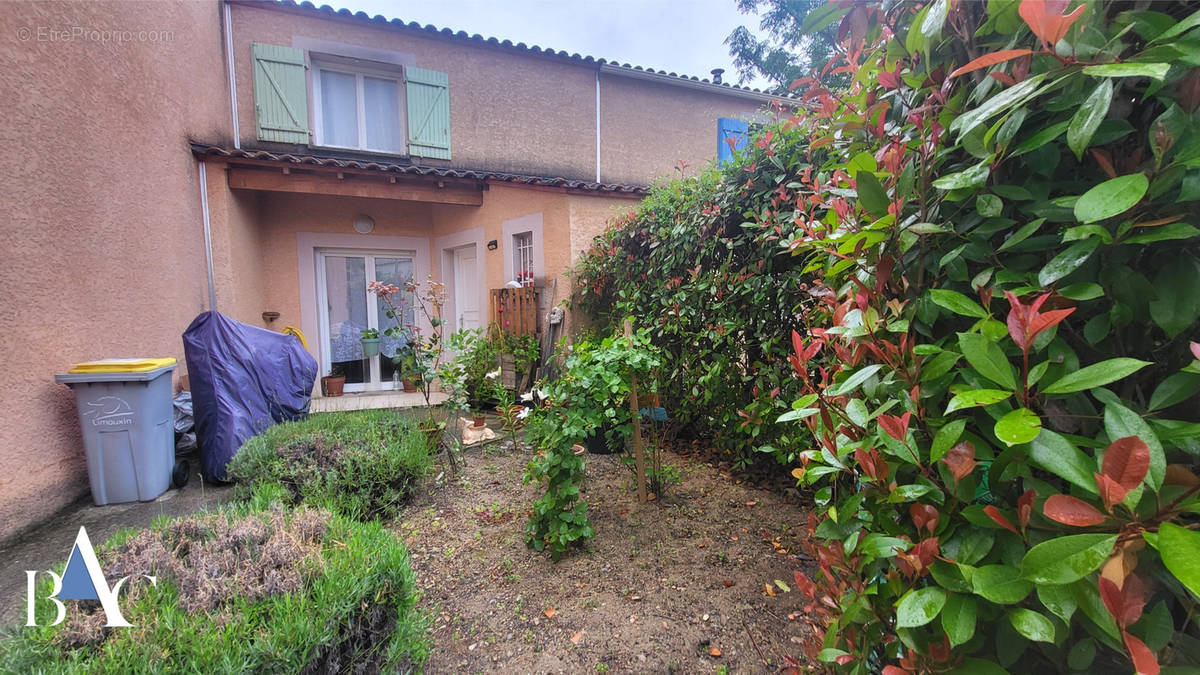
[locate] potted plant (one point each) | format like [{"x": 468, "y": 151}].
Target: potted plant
[
  {"x": 334, "y": 383},
  {"x": 370, "y": 341},
  {"x": 406, "y": 362}
]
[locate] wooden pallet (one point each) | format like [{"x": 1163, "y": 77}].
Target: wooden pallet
[{"x": 515, "y": 310}]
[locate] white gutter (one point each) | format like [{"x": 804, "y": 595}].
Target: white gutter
[
  {"x": 597, "y": 126},
  {"x": 709, "y": 87},
  {"x": 233, "y": 103},
  {"x": 208, "y": 252}
]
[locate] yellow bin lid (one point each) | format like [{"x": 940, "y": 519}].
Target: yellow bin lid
[{"x": 122, "y": 365}]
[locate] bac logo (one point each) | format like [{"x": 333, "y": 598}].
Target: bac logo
[{"x": 81, "y": 580}]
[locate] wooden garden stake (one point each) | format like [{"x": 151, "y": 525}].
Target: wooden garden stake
[{"x": 638, "y": 453}]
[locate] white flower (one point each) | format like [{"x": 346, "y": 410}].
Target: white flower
[
  {"x": 493, "y": 375},
  {"x": 523, "y": 414}
]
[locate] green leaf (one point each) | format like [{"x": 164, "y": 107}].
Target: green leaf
[
  {"x": 976, "y": 398},
  {"x": 945, "y": 439},
  {"x": 1001, "y": 584},
  {"x": 988, "y": 206},
  {"x": 1180, "y": 550},
  {"x": 968, "y": 178},
  {"x": 1055, "y": 454},
  {"x": 986, "y": 357},
  {"x": 1022, "y": 234},
  {"x": 1085, "y": 290},
  {"x": 1082, "y": 654},
  {"x": 958, "y": 618},
  {"x": 956, "y": 302},
  {"x": 793, "y": 415},
  {"x": 851, "y": 383},
  {"x": 1175, "y": 389},
  {"x": 1089, "y": 116},
  {"x": 1066, "y": 559},
  {"x": 1120, "y": 422},
  {"x": 931, "y": 27},
  {"x": 1156, "y": 70},
  {"x": 1059, "y": 600},
  {"x": 920, "y": 606},
  {"x": 1095, "y": 375},
  {"x": 1012, "y": 97},
  {"x": 1167, "y": 232},
  {"x": 1068, "y": 261},
  {"x": 1018, "y": 426},
  {"x": 871, "y": 194},
  {"x": 1111, "y": 198},
  {"x": 1178, "y": 304},
  {"x": 1032, "y": 625},
  {"x": 1180, "y": 28}
]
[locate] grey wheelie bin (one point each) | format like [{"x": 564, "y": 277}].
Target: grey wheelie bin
[{"x": 126, "y": 414}]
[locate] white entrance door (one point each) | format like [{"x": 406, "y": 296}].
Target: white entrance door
[
  {"x": 466, "y": 288},
  {"x": 346, "y": 308}
]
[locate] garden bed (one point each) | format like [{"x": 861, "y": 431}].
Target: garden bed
[{"x": 660, "y": 587}]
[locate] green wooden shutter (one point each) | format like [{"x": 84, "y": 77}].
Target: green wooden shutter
[
  {"x": 280, "y": 94},
  {"x": 428, "y": 93}
]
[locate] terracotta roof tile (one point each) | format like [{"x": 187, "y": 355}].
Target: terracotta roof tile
[{"x": 208, "y": 150}]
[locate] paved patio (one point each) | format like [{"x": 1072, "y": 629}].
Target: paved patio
[{"x": 373, "y": 400}]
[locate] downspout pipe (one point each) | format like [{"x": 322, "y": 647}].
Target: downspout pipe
[
  {"x": 208, "y": 251},
  {"x": 229, "y": 68},
  {"x": 597, "y": 125}
]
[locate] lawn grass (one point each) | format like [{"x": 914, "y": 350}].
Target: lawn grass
[{"x": 364, "y": 465}]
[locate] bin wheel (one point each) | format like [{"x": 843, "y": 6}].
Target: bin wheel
[{"x": 180, "y": 474}]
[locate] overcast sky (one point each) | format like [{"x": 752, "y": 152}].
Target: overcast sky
[{"x": 681, "y": 36}]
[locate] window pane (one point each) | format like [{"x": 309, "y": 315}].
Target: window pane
[
  {"x": 346, "y": 290},
  {"x": 523, "y": 258},
  {"x": 339, "y": 109},
  {"x": 396, "y": 271},
  {"x": 382, "y": 100}
]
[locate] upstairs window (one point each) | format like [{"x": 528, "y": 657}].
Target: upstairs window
[
  {"x": 358, "y": 110},
  {"x": 356, "y": 104}
]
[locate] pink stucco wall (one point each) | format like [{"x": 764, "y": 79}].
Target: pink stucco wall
[{"x": 103, "y": 251}]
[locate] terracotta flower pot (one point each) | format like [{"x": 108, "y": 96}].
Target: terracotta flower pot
[
  {"x": 332, "y": 385},
  {"x": 479, "y": 421},
  {"x": 410, "y": 385}
]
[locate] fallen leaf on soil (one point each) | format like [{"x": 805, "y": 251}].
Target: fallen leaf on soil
[
  {"x": 728, "y": 583},
  {"x": 651, "y": 497},
  {"x": 622, "y": 512},
  {"x": 770, "y": 591},
  {"x": 714, "y": 652},
  {"x": 782, "y": 586},
  {"x": 701, "y": 545},
  {"x": 576, "y": 638},
  {"x": 751, "y": 503},
  {"x": 791, "y": 617},
  {"x": 635, "y": 598},
  {"x": 550, "y": 612}
]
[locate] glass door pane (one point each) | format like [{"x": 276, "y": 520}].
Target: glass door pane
[
  {"x": 396, "y": 271},
  {"x": 346, "y": 298}
]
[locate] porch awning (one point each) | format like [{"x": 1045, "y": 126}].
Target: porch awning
[{"x": 357, "y": 177}]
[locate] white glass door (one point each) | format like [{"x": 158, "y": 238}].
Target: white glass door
[
  {"x": 347, "y": 309},
  {"x": 466, "y": 289}
]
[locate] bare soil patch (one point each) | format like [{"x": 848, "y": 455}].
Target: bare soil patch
[{"x": 676, "y": 585}]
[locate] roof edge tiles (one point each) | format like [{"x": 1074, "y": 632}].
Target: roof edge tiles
[
  {"x": 219, "y": 153},
  {"x": 606, "y": 66}
]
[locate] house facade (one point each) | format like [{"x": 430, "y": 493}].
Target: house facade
[{"x": 268, "y": 160}]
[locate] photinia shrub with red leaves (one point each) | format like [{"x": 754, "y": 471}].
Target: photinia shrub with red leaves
[{"x": 989, "y": 241}]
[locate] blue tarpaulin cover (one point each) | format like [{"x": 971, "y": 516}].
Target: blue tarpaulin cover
[{"x": 244, "y": 379}]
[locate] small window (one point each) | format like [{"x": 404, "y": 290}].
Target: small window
[
  {"x": 523, "y": 258},
  {"x": 359, "y": 110}
]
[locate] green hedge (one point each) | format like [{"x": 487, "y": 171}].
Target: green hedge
[
  {"x": 361, "y": 464},
  {"x": 252, "y": 588}
]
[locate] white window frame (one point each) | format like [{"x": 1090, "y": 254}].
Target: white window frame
[
  {"x": 522, "y": 245},
  {"x": 374, "y": 381},
  {"x": 509, "y": 230},
  {"x": 358, "y": 69}
]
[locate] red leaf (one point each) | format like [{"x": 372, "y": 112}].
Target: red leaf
[
  {"x": 805, "y": 584},
  {"x": 1025, "y": 507},
  {"x": 894, "y": 670},
  {"x": 896, "y": 427},
  {"x": 924, "y": 516},
  {"x": 1111, "y": 491},
  {"x": 1105, "y": 163},
  {"x": 867, "y": 462},
  {"x": 1129, "y": 604},
  {"x": 1143, "y": 659},
  {"x": 990, "y": 60},
  {"x": 1070, "y": 510},
  {"x": 1046, "y": 18},
  {"x": 1042, "y": 322},
  {"x": 994, "y": 513},
  {"x": 1126, "y": 461},
  {"x": 1195, "y": 346},
  {"x": 960, "y": 459}
]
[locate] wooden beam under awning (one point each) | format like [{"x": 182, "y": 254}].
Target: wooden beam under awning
[{"x": 353, "y": 185}]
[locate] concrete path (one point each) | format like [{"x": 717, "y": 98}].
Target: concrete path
[{"x": 50, "y": 542}]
